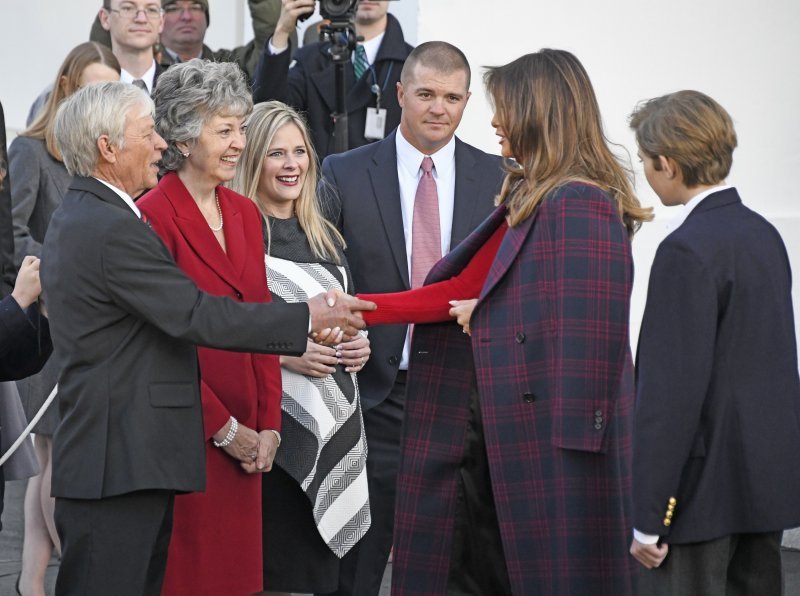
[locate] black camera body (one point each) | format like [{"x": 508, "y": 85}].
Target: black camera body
[{"x": 338, "y": 10}]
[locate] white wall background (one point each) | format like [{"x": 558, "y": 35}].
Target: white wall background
[{"x": 747, "y": 56}]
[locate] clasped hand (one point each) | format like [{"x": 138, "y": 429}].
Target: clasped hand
[
  {"x": 336, "y": 317},
  {"x": 254, "y": 450}
]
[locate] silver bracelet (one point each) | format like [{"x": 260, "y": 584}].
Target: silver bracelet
[{"x": 231, "y": 434}]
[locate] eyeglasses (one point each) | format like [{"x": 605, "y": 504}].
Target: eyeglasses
[
  {"x": 195, "y": 8},
  {"x": 131, "y": 11}
]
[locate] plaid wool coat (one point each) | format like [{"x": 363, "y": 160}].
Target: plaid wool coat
[{"x": 550, "y": 355}]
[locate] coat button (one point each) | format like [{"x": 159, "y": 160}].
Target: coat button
[
  {"x": 520, "y": 337},
  {"x": 529, "y": 397},
  {"x": 598, "y": 425},
  {"x": 598, "y": 412},
  {"x": 667, "y": 522},
  {"x": 393, "y": 360}
]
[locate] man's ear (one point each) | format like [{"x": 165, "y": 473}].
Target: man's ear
[
  {"x": 108, "y": 152},
  {"x": 669, "y": 166},
  {"x": 400, "y": 93},
  {"x": 104, "y": 15}
]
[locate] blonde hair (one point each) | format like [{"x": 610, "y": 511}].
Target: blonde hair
[
  {"x": 67, "y": 83},
  {"x": 691, "y": 128},
  {"x": 548, "y": 111},
  {"x": 267, "y": 118}
]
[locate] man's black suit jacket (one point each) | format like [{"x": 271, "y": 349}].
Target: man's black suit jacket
[
  {"x": 365, "y": 205},
  {"x": 717, "y": 423},
  {"x": 124, "y": 321},
  {"x": 310, "y": 86}
]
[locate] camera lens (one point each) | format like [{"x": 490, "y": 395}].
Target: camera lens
[{"x": 335, "y": 8}]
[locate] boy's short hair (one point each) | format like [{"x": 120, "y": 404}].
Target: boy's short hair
[{"x": 692, "y": 129}]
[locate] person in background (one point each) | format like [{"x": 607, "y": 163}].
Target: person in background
[
  {"x": 515, "y": 467},
  {"x": 185, "y": 25},
  {"x": 8, "y": 270},
  {"x": 400, "y": 204},
  {"x": 123, "y": 315},
  {"x": 309, "y": 84},
  {"x": 215, "y": 237},
  {"x": 321, "y": 465},
  {"x": 40, "y": 181},
  {"x": 134, "y": 26},
  {"x": 716, "y": 441}
]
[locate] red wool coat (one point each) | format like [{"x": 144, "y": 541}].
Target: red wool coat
[
  {"x": 216, "y": 538},
  {"x": 551, "y": 357}
]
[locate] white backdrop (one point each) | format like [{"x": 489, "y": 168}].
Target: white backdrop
[{"x": 748, "y": 58}]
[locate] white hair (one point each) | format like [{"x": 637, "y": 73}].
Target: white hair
[{"x": 91, "y": 112}]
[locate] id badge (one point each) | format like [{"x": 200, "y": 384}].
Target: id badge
[{"x": 375, "y": 127}]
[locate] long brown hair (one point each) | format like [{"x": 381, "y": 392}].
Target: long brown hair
[
  {"x": 67, "y": 82},
  {"x": 548, "y": 111}
]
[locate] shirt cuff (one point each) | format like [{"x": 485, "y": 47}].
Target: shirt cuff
[
  {"x": 645, "y": 538},
  {"x": 275, "y": 51}
]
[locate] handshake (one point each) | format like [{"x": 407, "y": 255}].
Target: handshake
[{"x": 336, "y": 316}]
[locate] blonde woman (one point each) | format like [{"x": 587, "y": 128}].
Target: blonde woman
[{"x": 323, "y": 452}]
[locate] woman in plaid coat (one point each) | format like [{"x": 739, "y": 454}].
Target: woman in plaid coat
[{"x": 515, "y": 466}]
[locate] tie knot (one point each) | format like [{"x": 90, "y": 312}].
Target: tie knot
[
  {"x": 427, "y": 165},
  {"x": 141, "y": 84}
]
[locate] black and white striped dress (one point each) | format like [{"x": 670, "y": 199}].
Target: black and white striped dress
[{"x": 324, "y": 448}]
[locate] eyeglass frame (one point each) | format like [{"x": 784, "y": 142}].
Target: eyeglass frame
[
  {"x": 135, "y": 10},
  {"x": 195, "y": 8}
]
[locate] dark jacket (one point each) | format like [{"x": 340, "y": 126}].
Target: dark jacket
[
  {"x": 310, "y": 86},
  {"x": 717, "y": 424}
]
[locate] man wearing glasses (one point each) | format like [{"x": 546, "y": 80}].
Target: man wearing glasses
[
  {"x": 184, "y": 28},
  {"x": 134, "y": 26}
]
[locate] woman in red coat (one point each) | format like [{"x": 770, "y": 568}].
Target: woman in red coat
[
  {"x": 515, "y": 463},
  {"x": 215, "y": 236}
]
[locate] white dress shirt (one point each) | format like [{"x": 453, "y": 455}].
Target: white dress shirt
[
  {"x": 409, "y": 160},
  {"x": 124, "y": 196},
  {"x": 148, "y": 77}
]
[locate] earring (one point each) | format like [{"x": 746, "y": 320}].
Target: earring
[{"x": 185, "y": 154}]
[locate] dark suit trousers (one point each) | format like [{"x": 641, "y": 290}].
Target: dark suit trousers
[
  {"x": 363, "y": 566},
  {"x": 735, "y": 565},
  {"x": 477, "y": 562},
  {"x": 116, "y": 545}
]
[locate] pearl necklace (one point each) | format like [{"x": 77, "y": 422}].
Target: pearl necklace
[{"x": 219, "y": 212}]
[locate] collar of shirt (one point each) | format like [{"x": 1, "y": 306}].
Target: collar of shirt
[
  {"x": 371, "y": 48},
  {"x": 686, "y": 209},
  {"x": 147, "y": 77},
  {"x": 177, "y": 59},
  {"x": 124, "y": 196}
]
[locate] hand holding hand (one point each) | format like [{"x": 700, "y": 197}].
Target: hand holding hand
[
  {"x": 267, "y": 447},
  {"x": 649, "y": 555},
  {"x": 462, "y": 312},
  {"x": 244, "y": 446},
  {"x": 354, "y": 353},
  {"x": 318, "y": 361},
  {"x": 336, "y": 316},
  {"x": 28, "y": 287}
]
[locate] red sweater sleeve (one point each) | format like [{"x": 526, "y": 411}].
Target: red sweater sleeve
[{"x": 431, "y": 304}]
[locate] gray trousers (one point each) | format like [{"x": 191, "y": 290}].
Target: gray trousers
[{"x": 735, "y": 565}]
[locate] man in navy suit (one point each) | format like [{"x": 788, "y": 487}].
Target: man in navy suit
[
  {"x": 373, "y": 195},
  {"x": 716, "y": 466}
]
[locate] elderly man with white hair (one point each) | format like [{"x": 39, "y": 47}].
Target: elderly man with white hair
[{"x": 124, "y": 322}]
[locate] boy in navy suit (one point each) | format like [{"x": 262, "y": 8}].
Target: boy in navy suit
[{"x": 716, "y": 464}]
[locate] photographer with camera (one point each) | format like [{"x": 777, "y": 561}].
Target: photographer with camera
[{"x": 309, "y": 84}]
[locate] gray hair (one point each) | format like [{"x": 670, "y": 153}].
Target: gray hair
[
  {"x": 91, "y": 112},
  {"x": 189, "y": 94}
]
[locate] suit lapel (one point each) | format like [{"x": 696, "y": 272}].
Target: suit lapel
[
  {"x": 102, "y": 192},
  {"x": 465, "y": 199},
  {"x": 386, "y": 190},
  {"x": 193, "y": 227}
]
